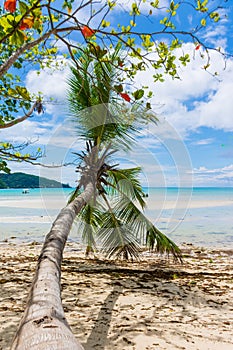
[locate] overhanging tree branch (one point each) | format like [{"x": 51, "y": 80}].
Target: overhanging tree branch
[{"x": 21, "y": 119}]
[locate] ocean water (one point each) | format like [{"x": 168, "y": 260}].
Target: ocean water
[
  {"x": 202, "y": 216},
  {"x": 28, "y": 217}
]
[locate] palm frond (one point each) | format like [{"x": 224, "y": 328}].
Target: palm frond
[
  {"x": 126, "y": 182},
  {"x": 89, "y": 239},
  {"x": 109, "y": 124},
  {"x": 74, "y": 194},
  {"x": 141, "y": 116},
  {"x": 98, "y": 109},
  {"x": 163, "y": 243},
  {"x": 90, "y": 90},
  {"x": 117, "y": 239},
  {"x": 88, "y": 221},
  {"x": 129, "y": 214}
]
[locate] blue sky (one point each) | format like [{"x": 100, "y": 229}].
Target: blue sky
[{"x": 193, "y": 142}]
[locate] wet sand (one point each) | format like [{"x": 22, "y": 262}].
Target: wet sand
[{"x": 151, "y": 304}]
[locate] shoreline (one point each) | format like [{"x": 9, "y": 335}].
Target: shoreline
[
  {"x": 205, "y": 220},
  {"x": 74, "y": 239},
  {"x": 151, "y": 304}
]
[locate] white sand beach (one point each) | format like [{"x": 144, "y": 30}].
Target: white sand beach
[
  {"x": 51, "y": 203},
  {"x": 151, "y": 304}
]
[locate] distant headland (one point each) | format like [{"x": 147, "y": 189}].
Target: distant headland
[{"x": 22, "y": 180}]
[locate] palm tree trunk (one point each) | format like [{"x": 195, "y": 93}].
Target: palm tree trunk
[{"x": 44, "y": 326}]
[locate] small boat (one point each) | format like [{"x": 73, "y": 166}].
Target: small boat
[{"x": 25, "y": 191}]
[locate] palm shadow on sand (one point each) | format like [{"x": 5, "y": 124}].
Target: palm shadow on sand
[{"x": 99, "y": 334}]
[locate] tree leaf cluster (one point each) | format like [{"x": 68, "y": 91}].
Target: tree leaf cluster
[{"x": 114, "y": 218}]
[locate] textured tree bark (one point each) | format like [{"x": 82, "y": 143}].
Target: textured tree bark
[{"x": 44, "y": 326}]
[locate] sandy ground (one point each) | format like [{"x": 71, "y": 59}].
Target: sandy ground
[
  {"x": 57, "y": 203},
  {"x": 152, "y": 304}
]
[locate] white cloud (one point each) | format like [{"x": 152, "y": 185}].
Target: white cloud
[
  {"x": 90, "y": 12},
  {"x": 93, "y": 12},
  {"x": 216, "y": 36},
  {"x": 217, "y": 111},
  {"x": 216, "y": 176},
  {"x": 144, "y": 7},
  {"x": 52, "y": 83},
  {"x": 27, "y": 130},
  {"x": 198, "y": 98},
  {"x": 203, "y": 142},
  {"x": 224, "y": 170}
]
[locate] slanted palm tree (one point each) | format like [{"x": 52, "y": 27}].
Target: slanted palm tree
[
  {"x": 106, "y": 201},
  {"x": 115, "y": 215}
]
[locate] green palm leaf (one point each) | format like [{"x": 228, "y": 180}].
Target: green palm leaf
[
  {"x": 144, "y": 230},
  {"x": 88, "y": 222},
  {"x": 117, "y": 239},
  {"x": 108, "y": 124},
  {"x": 126, "y": 181},
  {"x": 74, "y": 194},
  {"x": 97, "y": 108}
]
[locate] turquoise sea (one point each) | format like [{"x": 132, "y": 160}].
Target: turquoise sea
[{"x": 202, "y": 216}]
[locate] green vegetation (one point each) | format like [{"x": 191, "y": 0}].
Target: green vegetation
[
  {"x": 21, "y": 180},
  {"x": 2, "y": 184},
  {"x": 115, "y": 214},
  {"x": 31, "y": 33}
]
